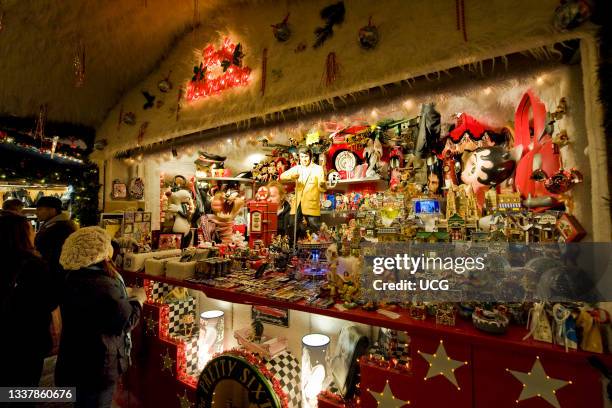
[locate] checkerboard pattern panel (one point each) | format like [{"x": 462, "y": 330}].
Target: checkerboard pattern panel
[
  {"x": 159, "y": 290},
  {"x": 286, "y": 369},
  {"x": 188, "y": 355},
  {"x": 177, "y": 317}
]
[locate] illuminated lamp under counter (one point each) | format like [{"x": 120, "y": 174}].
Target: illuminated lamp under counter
[
  {"x": 314, "y": 367},
  {"x": 210, "y": 340}
]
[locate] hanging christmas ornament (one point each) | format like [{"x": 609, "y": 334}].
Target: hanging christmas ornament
[
  {"x": 333, "y": 14},
  {"x": 150, "y": 99},
  {"x": 570, "y": 14},
  {"x": 368, "y": 36},
  {"x": 142, "y": 131},
  {"x": 129, "y": 118},
  {"x": 78, "y": 63},
  {"x": 39, "y": 133},
  {"x": 196, "y": 13},
  {"x": 264, "y": 68},
  {"x": 460, "y": 17},
  {"x": 120, "y": 119},
  {"x": 332, "y": 69},
  {"x": 563, "y": 181},
  {"x": 538, "y": 174},
  {"x": 178, "y": 102},
  {"x": 282, "y": 31},
  {"x": 165, "y": 85},
  {"x": 1, "y": 18}
]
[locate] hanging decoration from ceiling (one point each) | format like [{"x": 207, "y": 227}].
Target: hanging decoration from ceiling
[
  {"x": 332, "y": 69},
  {"x": 333, "y": 14},
  {"x": 264, "y": 70},
  {"x": 39, "y": 133},
  {"x": 165, "y": 85},
  {"x": 78, "y": 63},
  {"x": 129, "y": 118},
  {"x": 221, "y": 69},
  {"x": 460, "y": 17},
  {"x": 196, "y": 13},
  {"x": 142, "y": 131},
  {"x": 282, "y": 31},
  {"x": 1, "y": 18},
  {"x": 571, "y": 14},
  {"x": 150, "y": 100},
  {"x": 368, "y": 36},
  {"x": 181, "y": 91}
]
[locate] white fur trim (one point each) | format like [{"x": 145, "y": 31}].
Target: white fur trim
[{"x": 86, "y": 247}]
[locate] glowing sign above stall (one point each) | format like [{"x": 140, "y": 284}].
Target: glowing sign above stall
[{"x": 220, "y": 69}]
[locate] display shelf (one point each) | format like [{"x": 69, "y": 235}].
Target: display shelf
[
  {"x": 370, "y": 183},
  {"x": 462, "y": 331},
  {"x": 236, "y": 179}
]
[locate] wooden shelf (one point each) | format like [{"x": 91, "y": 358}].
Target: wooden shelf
[{"x": 462, "y": 331}]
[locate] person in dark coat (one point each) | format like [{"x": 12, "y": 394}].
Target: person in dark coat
[
  {"x": 284, "y": 223},
  {"x": 98, "y": 313},
  {"x": 55, "y": 227},
  {"x": 25, "y": 304}
]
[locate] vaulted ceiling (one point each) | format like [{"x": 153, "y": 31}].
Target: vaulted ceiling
[{"x": 123, "y": 40}]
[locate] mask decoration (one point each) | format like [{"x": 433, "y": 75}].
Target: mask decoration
[{"x": 487, "y": 166}]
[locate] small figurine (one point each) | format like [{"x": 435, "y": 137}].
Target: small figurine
[{"x": 257, "y": 330}]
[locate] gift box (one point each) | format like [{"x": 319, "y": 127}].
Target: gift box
[
  {"x": 181, "y": 317},
  {"x": 180, "y": 270},
  {"x": 286, "y": 369}
]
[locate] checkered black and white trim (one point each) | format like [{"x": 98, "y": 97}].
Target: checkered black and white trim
[{"x": 286, "y": 369}]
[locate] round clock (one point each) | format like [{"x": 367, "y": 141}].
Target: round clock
[{"x": 345, "y": 160}]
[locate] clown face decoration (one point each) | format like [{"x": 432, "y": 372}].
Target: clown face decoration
[{"x": 487, "y": 166}]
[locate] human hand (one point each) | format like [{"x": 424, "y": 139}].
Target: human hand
[
  {"x": 295, "y": 176},
  {"x": 137, "y": 293}
]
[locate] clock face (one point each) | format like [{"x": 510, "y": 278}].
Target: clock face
[{"x": 345, "y": 160}]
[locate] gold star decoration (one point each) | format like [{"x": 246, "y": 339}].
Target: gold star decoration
[
  {"x": 167, "y": 362},
  {"x": 150, "y": 325},
  {"x": 184, "y": 401},
  {"x": 537, "y": 384},
  {"x": 386, "y": 399},
  {"x": 441, "y": 364}
]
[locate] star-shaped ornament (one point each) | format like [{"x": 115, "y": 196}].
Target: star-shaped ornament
[
  {"x": 151, "y": 325},
  {"x": 537, "y": 384},
  {"x": 441, "y": 364},
  {"x": 167, "y": 362},
  {"x": 385, "y": 399},
  {"x": 184, "y": 401}
]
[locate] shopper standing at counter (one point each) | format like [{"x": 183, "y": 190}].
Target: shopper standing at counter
[
  {"x": 98, "y": 314},
  {"x": 55, "y": 227},
  {"x": 284, "y": 226},
  {"x": 25, "y": 304}
]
